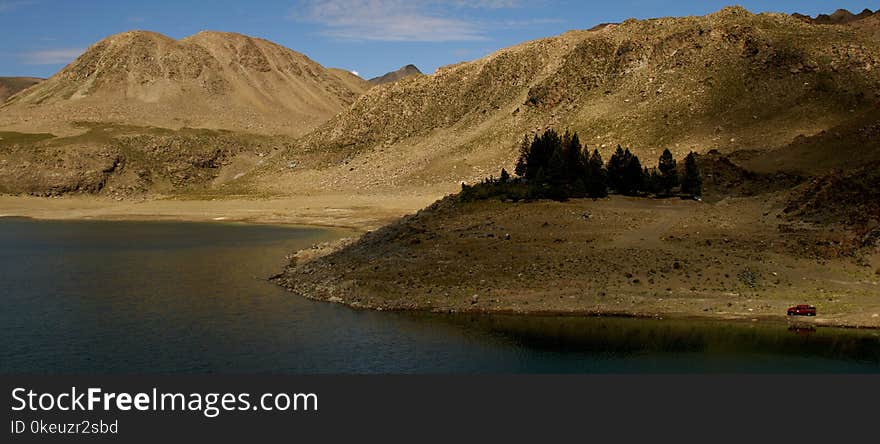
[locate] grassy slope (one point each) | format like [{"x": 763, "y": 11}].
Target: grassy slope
[{"x": 735, "y": 259}]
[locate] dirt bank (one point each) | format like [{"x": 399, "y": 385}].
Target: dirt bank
[{"x": 737, "y": 259}]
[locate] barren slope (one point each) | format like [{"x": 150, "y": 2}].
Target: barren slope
[
  {"x": 729, "y": 81},
  {"x": 209, "y": 80}
]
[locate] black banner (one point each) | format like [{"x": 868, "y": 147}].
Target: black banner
[{"x": 457, "y": 408}]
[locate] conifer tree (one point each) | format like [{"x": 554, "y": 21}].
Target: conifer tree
[
  {"x": 692, "y": 183},
  {"x": 633, "y": 177},
  {"x": 668, "y": 172},
  {"x": 653, "y": 181},
  {"x": 522, "y": 163},
  {"x": 597, "y": 176},
  {"x": 556, "y": 167},
  {"x": 574, "y": 156},
  {"x": 538, "y": 185},
  {"x": 616, "y": 167},
  {"x": 541, "y": 150}
]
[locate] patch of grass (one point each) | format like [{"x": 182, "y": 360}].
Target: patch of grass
[
  {"x": 10, "y": 137},
  {"x": 514, "y": 191}
]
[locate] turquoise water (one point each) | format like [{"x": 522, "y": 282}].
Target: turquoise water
[{"x": 157, "y": 297}]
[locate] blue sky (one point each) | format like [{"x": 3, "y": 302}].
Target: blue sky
[{"x": 38, "y": 37}]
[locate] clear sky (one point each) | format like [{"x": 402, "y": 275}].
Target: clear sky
[{"x": 38, "y": 37}]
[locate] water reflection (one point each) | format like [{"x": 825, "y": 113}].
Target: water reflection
[{"x": 630, "y": 336}]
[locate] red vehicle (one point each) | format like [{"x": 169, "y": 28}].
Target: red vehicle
[{"x": 802, "y": 310}]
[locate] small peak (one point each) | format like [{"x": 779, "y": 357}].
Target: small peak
[
  {"x": 842, "y": 14},
  {"x": 394, "y": 76},
  {"x": 210, "y": 32},
  {"x": 138, "y": 34},
  {"x": 211, "y": 38},
  {"x": 217, "y": 35},
  {"x": 732, "y": 11}
]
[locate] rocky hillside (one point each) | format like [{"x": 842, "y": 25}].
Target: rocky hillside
[
  {"x": 728, "y": 81},
  {"x": 394, "y": 76},
  {"x": 848, "y": 146},
  {"x": 11, "y": 85},
  {"x": 849, "y": 197},
  {"x": 209, "y": 80}
]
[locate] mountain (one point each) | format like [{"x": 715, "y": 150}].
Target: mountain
[
  {"x": 11, "y": 85},
  {"x": 768, "y": 91},
  {"x": 210, "y": 80},
  {"x": 140, "y": 113},
  {"x": 394, "y": 76},
  {"x": 730, "y": 81},
  {"x": 839, "y": 17}
]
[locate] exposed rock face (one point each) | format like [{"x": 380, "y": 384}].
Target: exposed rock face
[
  {"x": 211, "y": 79},
  {"x": 848, "y": 197},
  {"x": 395, "y": 76}
]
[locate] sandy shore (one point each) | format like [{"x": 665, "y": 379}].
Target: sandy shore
[{"x": 362, "y": 212}]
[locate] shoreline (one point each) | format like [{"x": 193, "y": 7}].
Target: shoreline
[
  {"x": 799, "y": 322},
  {"x": 359, "y": 212},
  {"x": 185, "y": 220},
  {"x": 335, "y": 212}
]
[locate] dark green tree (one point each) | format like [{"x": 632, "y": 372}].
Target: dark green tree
[
  {"x": 540, "y": 152},
  {"x": 538, "y": 185},
  {"x": 534, "y": 161},
  {"x": 556, "y": 168},
  {"x": 597, "y": 176},
  {"x": 522, "y": 163},
  {"x": 633, "y": 177},
  {"x": 668, "y": 172},
  {"x": 653, "y": 181},
  {"x": 692, "y": 182},
  {"x": 574, "y": 158},
  {"x": 616, "y": 167}
]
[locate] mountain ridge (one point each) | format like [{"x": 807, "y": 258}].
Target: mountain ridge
[{"x": 839, "y": 17}]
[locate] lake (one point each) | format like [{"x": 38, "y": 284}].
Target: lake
[{"x": 89, "y": 297}]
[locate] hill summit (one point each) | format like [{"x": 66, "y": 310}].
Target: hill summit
[
  {"x": 395, "y": 76},
  {"x": 211, "y": 79}
]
